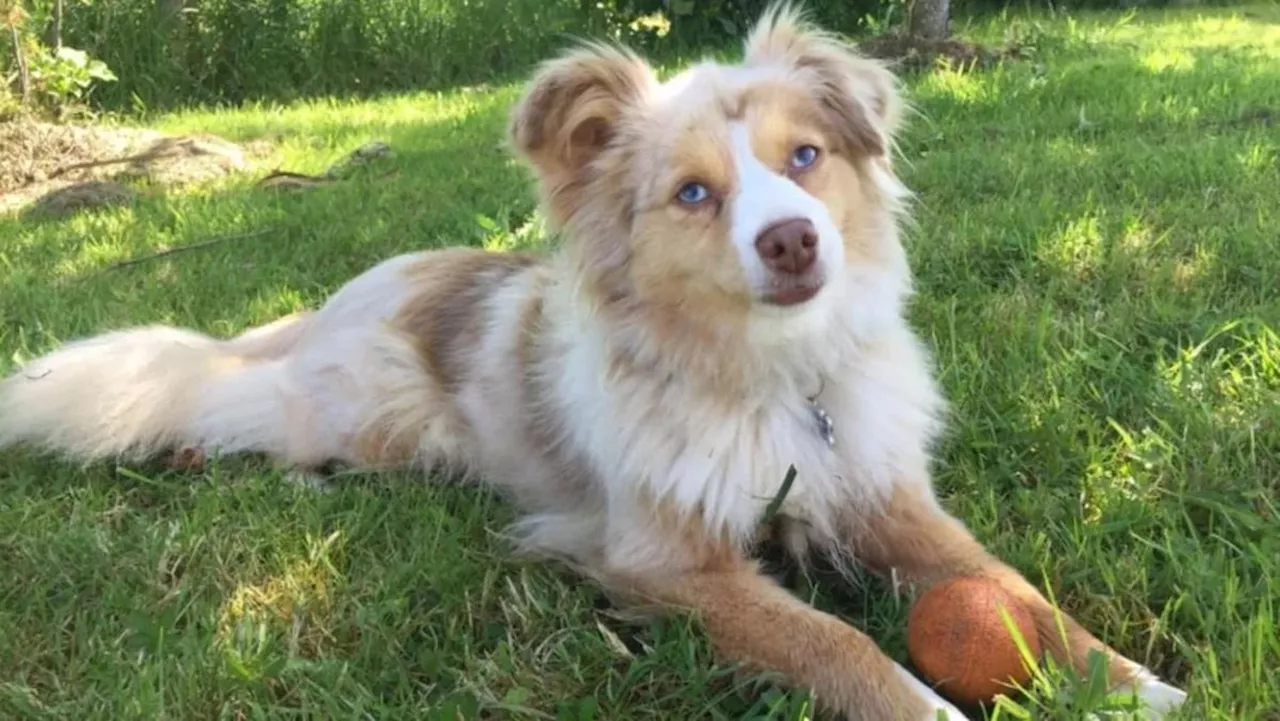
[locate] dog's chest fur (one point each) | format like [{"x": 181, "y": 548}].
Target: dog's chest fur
[{"x": 664, "y": 442}]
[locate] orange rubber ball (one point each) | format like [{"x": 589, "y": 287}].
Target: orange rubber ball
[{"x": 957, "y": 638}]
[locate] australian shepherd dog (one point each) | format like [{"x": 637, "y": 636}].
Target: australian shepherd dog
[{"x": 726, "y": 302}]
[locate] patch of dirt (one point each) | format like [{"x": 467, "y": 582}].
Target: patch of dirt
[
  {"x": 63, "y": 168},
  {"x": 31, "y": 150},
  {"x": 80, "y": 196},
  {"x": 919, "y": 54}
]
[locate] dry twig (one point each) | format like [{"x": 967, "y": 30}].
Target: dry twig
[
  {"x": 20, "y": 59},
  {"x": 183, "y": 248}
]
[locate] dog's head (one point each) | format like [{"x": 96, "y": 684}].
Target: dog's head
[{"x": 740, "y": 193}]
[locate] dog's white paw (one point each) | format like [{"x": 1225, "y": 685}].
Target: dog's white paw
[
  {"x": 936, "y": 703},
  {"x": 308, "y": 479},
  {"x": 1158, "y": 698}
]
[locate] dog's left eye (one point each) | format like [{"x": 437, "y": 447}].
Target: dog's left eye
[
  {"x": 803, "y": 157},
  {"x": 693, "y": 193}
]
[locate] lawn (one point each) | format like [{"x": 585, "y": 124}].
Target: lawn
[{"x": 1098, "y": 275}]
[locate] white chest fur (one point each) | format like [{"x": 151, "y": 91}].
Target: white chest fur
[{"x": 726, "y": 459}]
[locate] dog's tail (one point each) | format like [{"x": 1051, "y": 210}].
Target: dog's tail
[{"x": 133, "y": 393}]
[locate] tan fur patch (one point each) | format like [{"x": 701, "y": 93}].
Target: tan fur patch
[
  {"x": 544, "y": 426},
  {"x": 446, "y": 317},
  {"x": 443, "y": 323},
  {"x": 783, "y": 116}
]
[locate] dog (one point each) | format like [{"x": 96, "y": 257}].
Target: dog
[{"x": 726, "y": 304}]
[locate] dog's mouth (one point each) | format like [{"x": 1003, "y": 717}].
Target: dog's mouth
[{"x": 789, "y": 291}]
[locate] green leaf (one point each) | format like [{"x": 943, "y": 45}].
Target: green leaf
[
  {"x": 516, "y": 696},
  {"x": 78, "y": 58},
  {"x": 681, "y": 7},
  {"x": 98, "y": 70},
  {"x": 487, "y": 224}
]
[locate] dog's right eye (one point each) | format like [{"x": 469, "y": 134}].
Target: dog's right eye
[
  {"x": 692, "y": 193},
  {"x": 804, "y": 157}
]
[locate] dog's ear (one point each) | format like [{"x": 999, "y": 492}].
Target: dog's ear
[
  {"x": 572, "y": 108},
  {"x": 859, "y": 94}
]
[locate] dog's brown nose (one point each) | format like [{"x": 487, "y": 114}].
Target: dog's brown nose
[{"x": 788, "y": 246}]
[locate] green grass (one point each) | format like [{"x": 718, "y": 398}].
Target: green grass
[{"x": 1098, "y": 276}]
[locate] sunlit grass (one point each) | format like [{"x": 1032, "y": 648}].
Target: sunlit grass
[{"x": 1098, "y": 278}]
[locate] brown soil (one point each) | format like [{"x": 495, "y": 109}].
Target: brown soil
[
  {"x": 63, "y": 168},
  {"x": 80, "y": 196},
  {"x": 919, "y": 54}
]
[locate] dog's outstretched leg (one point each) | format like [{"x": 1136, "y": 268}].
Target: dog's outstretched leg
[
  {"x": 753, "y": 621},
  {"x": 920, "y": 544}
]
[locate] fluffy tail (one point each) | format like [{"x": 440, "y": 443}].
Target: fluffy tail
[{"x": 136, "y": 392}]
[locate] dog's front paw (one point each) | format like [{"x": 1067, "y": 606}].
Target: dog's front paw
[
  {"x": 1158, "y": 698},
  {"x": 939, "y": 708}
]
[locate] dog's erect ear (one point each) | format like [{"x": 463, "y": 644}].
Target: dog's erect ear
[
  {"x": 572, "y": 108},
  {"x": 859, "y": 94}
]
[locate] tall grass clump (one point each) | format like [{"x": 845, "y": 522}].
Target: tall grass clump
[{"x": 173, "y": 52}]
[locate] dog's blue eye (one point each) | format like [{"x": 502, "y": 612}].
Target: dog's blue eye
[
  {"x": 803, "y": 157},
  {"x": 693, "y": 193}
]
